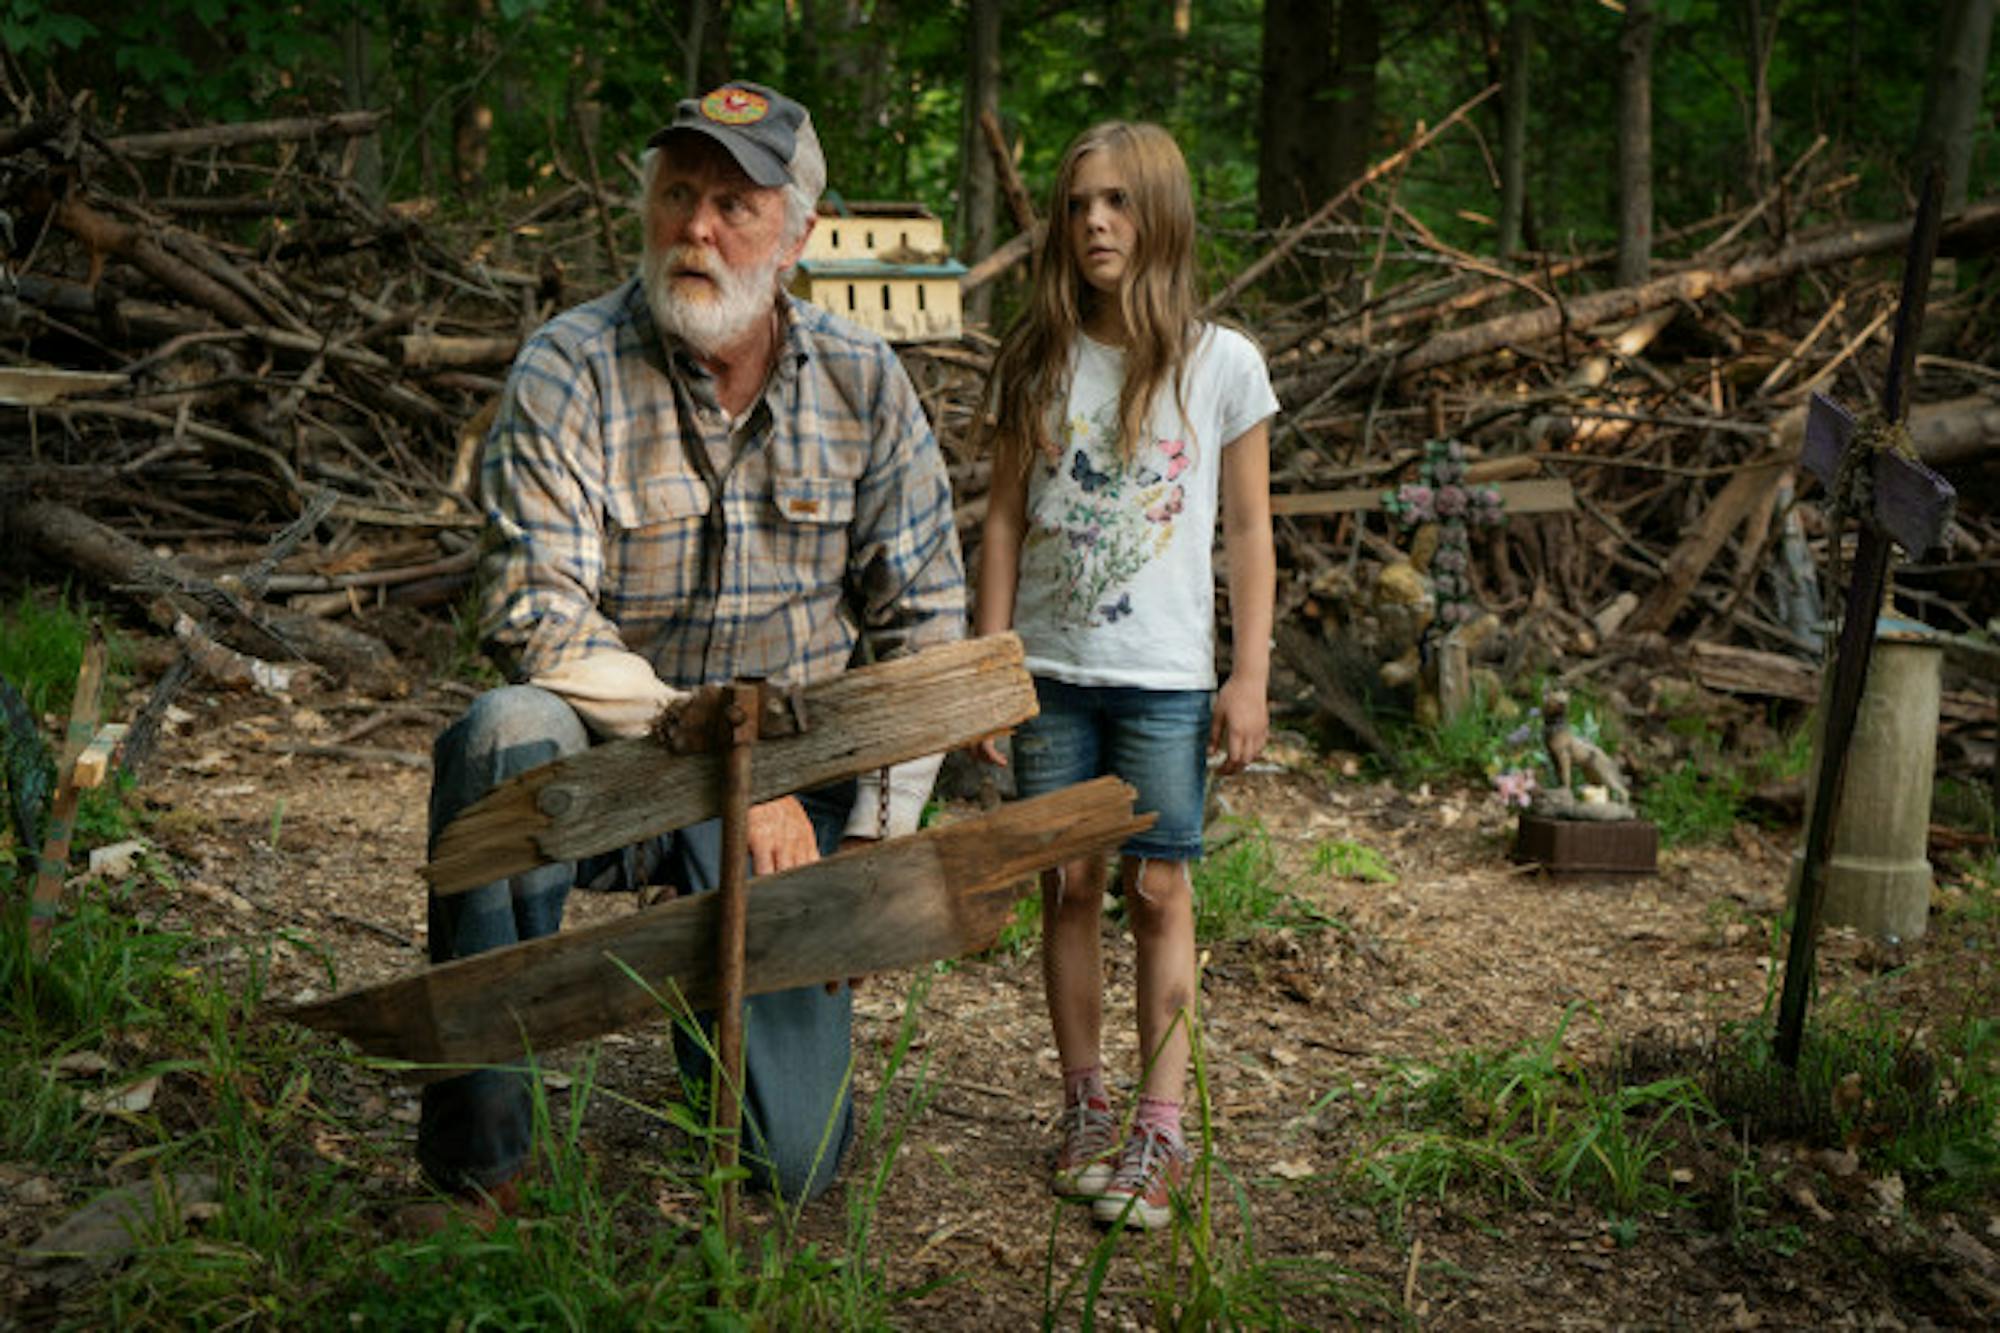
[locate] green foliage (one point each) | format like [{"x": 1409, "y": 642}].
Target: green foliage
[
  {"x": 1909, "y": 1097},
  {"x": 1693, "y": 803},
  {"x": 1351, "y": 860},
  {"x": 1240, "y": 889},
  {"x": 1528, "y": 1123},
  {"x": 1701, "y": 798},
  {"x": 41, "y": 651}
]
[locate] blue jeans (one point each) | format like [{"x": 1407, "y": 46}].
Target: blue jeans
[
  {"x": 476, "y": 1127},
  {"x": 1156, "y": 740}
]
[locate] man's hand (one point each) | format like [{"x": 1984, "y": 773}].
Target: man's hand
[
  {"x": 781, "y": 837},
  {"x": 1242, "y": 723},
  {"x": 988, "y": 751}
]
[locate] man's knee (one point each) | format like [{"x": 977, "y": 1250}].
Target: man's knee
[{"x": 517, "y": 716}]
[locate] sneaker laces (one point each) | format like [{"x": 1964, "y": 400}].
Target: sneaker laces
[
  {"x": 1147, "y": 1156},
  {"x": 1089, "y": 1132}
]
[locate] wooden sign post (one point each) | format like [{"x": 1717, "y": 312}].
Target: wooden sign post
[
  {"x": 1912, "y": 506},
  {"x": 737, "y": 735}
]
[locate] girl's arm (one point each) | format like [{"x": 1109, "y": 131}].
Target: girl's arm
[
  {"x": 1000, "y": 556},
  {"x": 1242, "y": 714}
]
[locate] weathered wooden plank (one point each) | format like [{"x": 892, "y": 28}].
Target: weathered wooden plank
[
  {"x": 938, "y": 894},
  {"x": 616, "y": 794},
  {"x": 94, "y": 764},
  {"x": 1684, "y": 568},
  {"x": 1913, "y": 504},
  {"x": 54, "y": 861},
  {"x": 1543, "y": 495}
]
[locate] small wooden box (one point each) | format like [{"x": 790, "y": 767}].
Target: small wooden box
[{"x": 1588, "y": 847}]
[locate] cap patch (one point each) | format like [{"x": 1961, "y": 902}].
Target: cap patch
[{"x": 735, "y": 106}]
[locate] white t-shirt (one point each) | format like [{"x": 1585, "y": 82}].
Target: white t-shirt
[{"x": 1117, "y": 586}]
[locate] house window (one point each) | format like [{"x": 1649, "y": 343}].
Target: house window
[
  {"x": 920, "y": 296},
  {"x": 834, "y": 243},
  {"x": 850, "y": 296},
  {"x": 885, "y": 296},
  {"x": 870, "y": 239},
  {"x": 906, "y": 240}
]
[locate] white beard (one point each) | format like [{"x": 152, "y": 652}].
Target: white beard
[{"x": 708, "y": 325}]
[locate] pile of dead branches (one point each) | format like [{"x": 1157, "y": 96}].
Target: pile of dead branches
[{"x": 215, "y": 332}]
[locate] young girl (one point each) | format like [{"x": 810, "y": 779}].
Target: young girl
[{"x": 1119, "y": 416}]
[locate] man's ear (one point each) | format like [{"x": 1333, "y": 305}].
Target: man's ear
[{"x": 798, "y": 247}]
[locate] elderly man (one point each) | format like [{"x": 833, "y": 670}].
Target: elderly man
[{"x": 691, "y": 479}]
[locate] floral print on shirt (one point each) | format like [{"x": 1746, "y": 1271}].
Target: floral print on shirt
[{"x": 1096, "y": 521}]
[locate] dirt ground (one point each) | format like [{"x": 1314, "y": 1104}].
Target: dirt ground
[{"x": 1462, "y": 950}]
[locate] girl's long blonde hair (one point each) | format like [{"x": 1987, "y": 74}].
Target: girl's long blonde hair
[{"x": 1158, "y": 297}]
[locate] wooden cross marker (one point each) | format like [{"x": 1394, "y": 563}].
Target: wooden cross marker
[
  {"x": 1912, "y": 507},
  {"x": 938, "y": 894}
]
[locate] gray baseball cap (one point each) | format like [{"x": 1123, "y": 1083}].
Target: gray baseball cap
[{"x": 758, "y": 125}]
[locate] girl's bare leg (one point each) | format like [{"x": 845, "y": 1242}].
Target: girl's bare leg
[
  {"x": 1072, "y": 959},
  {"x": 1159, "y": 899}
]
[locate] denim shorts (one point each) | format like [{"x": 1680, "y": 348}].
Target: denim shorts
[{"x": 1157, "y": 740}]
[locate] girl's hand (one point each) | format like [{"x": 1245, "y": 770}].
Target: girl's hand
[{"x": 1242, "y": 723}]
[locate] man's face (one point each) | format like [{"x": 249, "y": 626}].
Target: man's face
[{"x": 715, "y": 243}]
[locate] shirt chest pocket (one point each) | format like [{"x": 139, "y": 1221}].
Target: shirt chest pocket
[
  {"x": 809, "y": 539},
  {"x": 653, "y": 544}
]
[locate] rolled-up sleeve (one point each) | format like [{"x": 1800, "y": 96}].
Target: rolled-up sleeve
[{"x": 543, "y": 476}]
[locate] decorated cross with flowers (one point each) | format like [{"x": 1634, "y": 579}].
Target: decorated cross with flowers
[{"x": 1443, "y": 497}]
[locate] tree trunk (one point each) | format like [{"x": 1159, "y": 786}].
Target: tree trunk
[
  {"x": 1951, "y": 98},
  {"x": 978, "y": 188},
  {"x": 1761, "y": 39},
  {"x": 1519, "y": 54},
  {"x": 1358, "y": 53},
  {"x": 472, "y": 119},
  {"x": 1296, "y": 114},
  {"x": 1635, "y": 144},
  {"x": 357, "y": 77}
]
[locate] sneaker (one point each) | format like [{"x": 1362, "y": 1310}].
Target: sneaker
[
  {"x": 1089, "y": 1143},
  {"x": 1141, "y": 1191}
]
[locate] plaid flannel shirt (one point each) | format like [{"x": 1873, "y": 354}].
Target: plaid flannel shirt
[{"x": 626, "y": 512}]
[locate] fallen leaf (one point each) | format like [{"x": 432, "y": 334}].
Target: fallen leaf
[
  {"x": 116, "y": 860},
  {"x": 128, "y": 1100},
  {"x": 82, "y": 1064},
  {"x": 1291, "y": 1168}
]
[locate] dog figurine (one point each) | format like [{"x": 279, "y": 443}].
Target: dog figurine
[{"x": 1571, "y": 753}]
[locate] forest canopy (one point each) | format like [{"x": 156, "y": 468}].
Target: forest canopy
[{"x": 490, "y": 96}]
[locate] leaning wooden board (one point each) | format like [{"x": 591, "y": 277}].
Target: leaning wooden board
[
  {"x": 616, "y": 794},
  {"x": 941, "y": 893}
]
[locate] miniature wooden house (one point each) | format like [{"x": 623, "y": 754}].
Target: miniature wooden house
[{"x": 884, "y": 266}]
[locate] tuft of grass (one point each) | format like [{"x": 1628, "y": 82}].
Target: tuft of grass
[
  {"x": 41, "y": 650},
  {"x": 1241, "y": 889},
  {"x": 1913, "y": 1097},
  {"x": 1529, "y": 1123},
  {"x": 1694, "y": 802},
  {"x": 1345, "y": 859}
]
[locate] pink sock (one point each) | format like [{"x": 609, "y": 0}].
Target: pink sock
[
  {"x": 1085, "y": 1084},
  {"x": 1161, "y": 1117}
]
